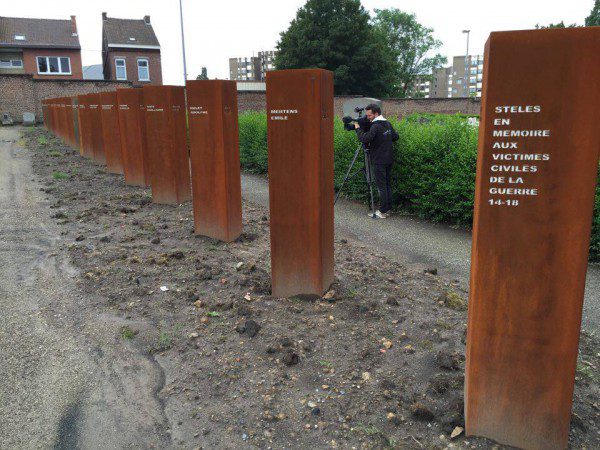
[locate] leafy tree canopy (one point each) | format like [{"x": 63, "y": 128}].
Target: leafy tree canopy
[
  {"x": 560, "y": 24},
  {"x": 203, "y": 75},
  {"x": 593, "y": 20},
  {"x": 409, "y": 43},
  {"x": 336, "y": 35}
]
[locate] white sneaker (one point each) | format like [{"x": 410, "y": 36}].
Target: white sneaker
[{"x": 378, "y": 215}]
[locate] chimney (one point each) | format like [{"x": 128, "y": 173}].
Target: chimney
[
  {"x": 104, "y": 16},
  {"x": 73, "y": 26},
  {"x": 147, "y": 20}
]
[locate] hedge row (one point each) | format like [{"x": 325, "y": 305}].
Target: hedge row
[{"x": 434, "y": 177}]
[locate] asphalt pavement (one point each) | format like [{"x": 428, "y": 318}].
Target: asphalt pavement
[{"x": 418, "y": 243}]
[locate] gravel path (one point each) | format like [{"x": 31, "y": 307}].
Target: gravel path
[
  {"x": 64, "y": 381},
  {"x": 419, "y": 243}
]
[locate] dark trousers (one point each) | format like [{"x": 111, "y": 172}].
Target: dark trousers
[{"x": 383, "y": 180}]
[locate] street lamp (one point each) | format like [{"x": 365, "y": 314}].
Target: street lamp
[
  {"x": 466, "y": 85},
  {"x": 183, "y": 42}
]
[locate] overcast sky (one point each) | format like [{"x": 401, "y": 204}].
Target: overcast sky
[{"x": 218, "y": 30}]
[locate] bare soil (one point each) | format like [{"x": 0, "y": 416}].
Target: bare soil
[{"x": 380, "y": 364}]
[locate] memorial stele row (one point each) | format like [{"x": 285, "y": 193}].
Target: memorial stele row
[{"x": 538, "y": 153}]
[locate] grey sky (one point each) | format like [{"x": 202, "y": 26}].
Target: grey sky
[{"x": 216, "y": 30}]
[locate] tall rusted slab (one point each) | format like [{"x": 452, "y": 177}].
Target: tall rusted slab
[
  {"x": 97, "y": 138},
  {"x": 75, "y": 118},
  {"x": 69, "y": 122},
  {"x": 132, "y": 126},
  {"x": 536, "y": 174},
  {"x": 300, "y": 141},
  {"x": 85, "y": 126},
  {"x": 166, "y": 132},
  {"x": 111, "y": 134},
  {"x": 46, "y": 111},
  {"x": 215, "y": 158}
]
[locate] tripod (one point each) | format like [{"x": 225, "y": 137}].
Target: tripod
[{"x": 367, "y": 173}]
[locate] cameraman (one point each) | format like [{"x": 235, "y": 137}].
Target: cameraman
[{"x": 379, "y": 139}]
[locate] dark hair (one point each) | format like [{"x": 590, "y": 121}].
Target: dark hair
[{"x": 374, "y": 108}]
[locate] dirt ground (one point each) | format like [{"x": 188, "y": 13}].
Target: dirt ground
[{"x": 379, "y": 364}]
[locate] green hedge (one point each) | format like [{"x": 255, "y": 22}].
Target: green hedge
[{"x": 434, "y": 177}]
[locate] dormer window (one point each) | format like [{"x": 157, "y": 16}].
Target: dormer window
[
  {"x": 19, "y": 37},
  {"x": 132, "y": 39}
]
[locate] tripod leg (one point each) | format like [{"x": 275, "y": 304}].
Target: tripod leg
[{"x": 347, "y": 175}]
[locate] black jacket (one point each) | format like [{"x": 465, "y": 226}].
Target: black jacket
[{"x": 379, "y": 139}]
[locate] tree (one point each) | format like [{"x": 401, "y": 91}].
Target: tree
[
  {"x": 409, "y": 43},
  {"x": 560, "y": 24},
  {"x": 203, "y": 75},
  {"x": 593, "y": 20},
  {"x": 336, "y": 35}
]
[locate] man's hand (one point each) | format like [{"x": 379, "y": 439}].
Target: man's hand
[{"x": 356, "y": 125}]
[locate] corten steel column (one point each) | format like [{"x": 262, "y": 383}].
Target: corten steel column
[
  {"x": 55, "y": 117},
  {"x": 300, "y": 136},
  {"x": 95, "y": 116},
  {"x": 85, "y": 126},
  {"x": 70, "y": 125},
  {"x": 167, "y": 144},
  {"x": 110, "y": 132},
  {"x": 215, "y": 158},
  {"x": 62, "y": 119},
  {"x": 536, "y": 174},
  {"x": 75, "y": 113},
  {"x": 132, "y": 125}
]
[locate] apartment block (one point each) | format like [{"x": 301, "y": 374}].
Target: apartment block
[
  {"x": 252, "y": 68},
  {"x": 462, "y": 79}
]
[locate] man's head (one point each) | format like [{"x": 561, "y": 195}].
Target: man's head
[{"x": 372, "y": 111}]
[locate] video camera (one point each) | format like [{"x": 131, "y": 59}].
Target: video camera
[
  {"x": 354, "y": 112},
  {"x": 362, "y": 121}
]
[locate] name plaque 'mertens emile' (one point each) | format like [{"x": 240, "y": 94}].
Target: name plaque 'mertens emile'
[
  {"x": 536, "y": 175},
  {"x": 300, "y": 141}
]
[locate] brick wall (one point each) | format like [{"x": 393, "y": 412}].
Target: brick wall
[
  {"x": 252, "y": 101},
  {"x": 131, "y": 56},
  {"x": 23, "y": 93},
  {"x": 398, "y": 107}
]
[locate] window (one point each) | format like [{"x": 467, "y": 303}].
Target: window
[
  {"x": 54, "y": 65},
  {"x": 120, "y": 69},
  {"x": 11, "y": 64},
  {"x": 143, "y": 70},
  {"x": 19, "y": 37}
]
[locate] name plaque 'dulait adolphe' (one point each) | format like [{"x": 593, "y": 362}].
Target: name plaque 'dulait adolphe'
[
  {"x": 215, "y": 158},
  {"x": 536, "y": 175},
  {"x": 300, "y": 141}
]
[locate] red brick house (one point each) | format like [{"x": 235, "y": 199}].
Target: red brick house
[
  {"x": 130, "y": 51},
  {"x": 44, "y": 48}
]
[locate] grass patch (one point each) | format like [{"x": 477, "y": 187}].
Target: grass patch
[
  {"x": 165, "y": 341},
  {"x": 54, "y": 153},
  {"x": 42, "y": 140},
  {"x": 452, "y": 300},
  {"x": 127, "y": 333},
  {"x": 60, "y": 176}
]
